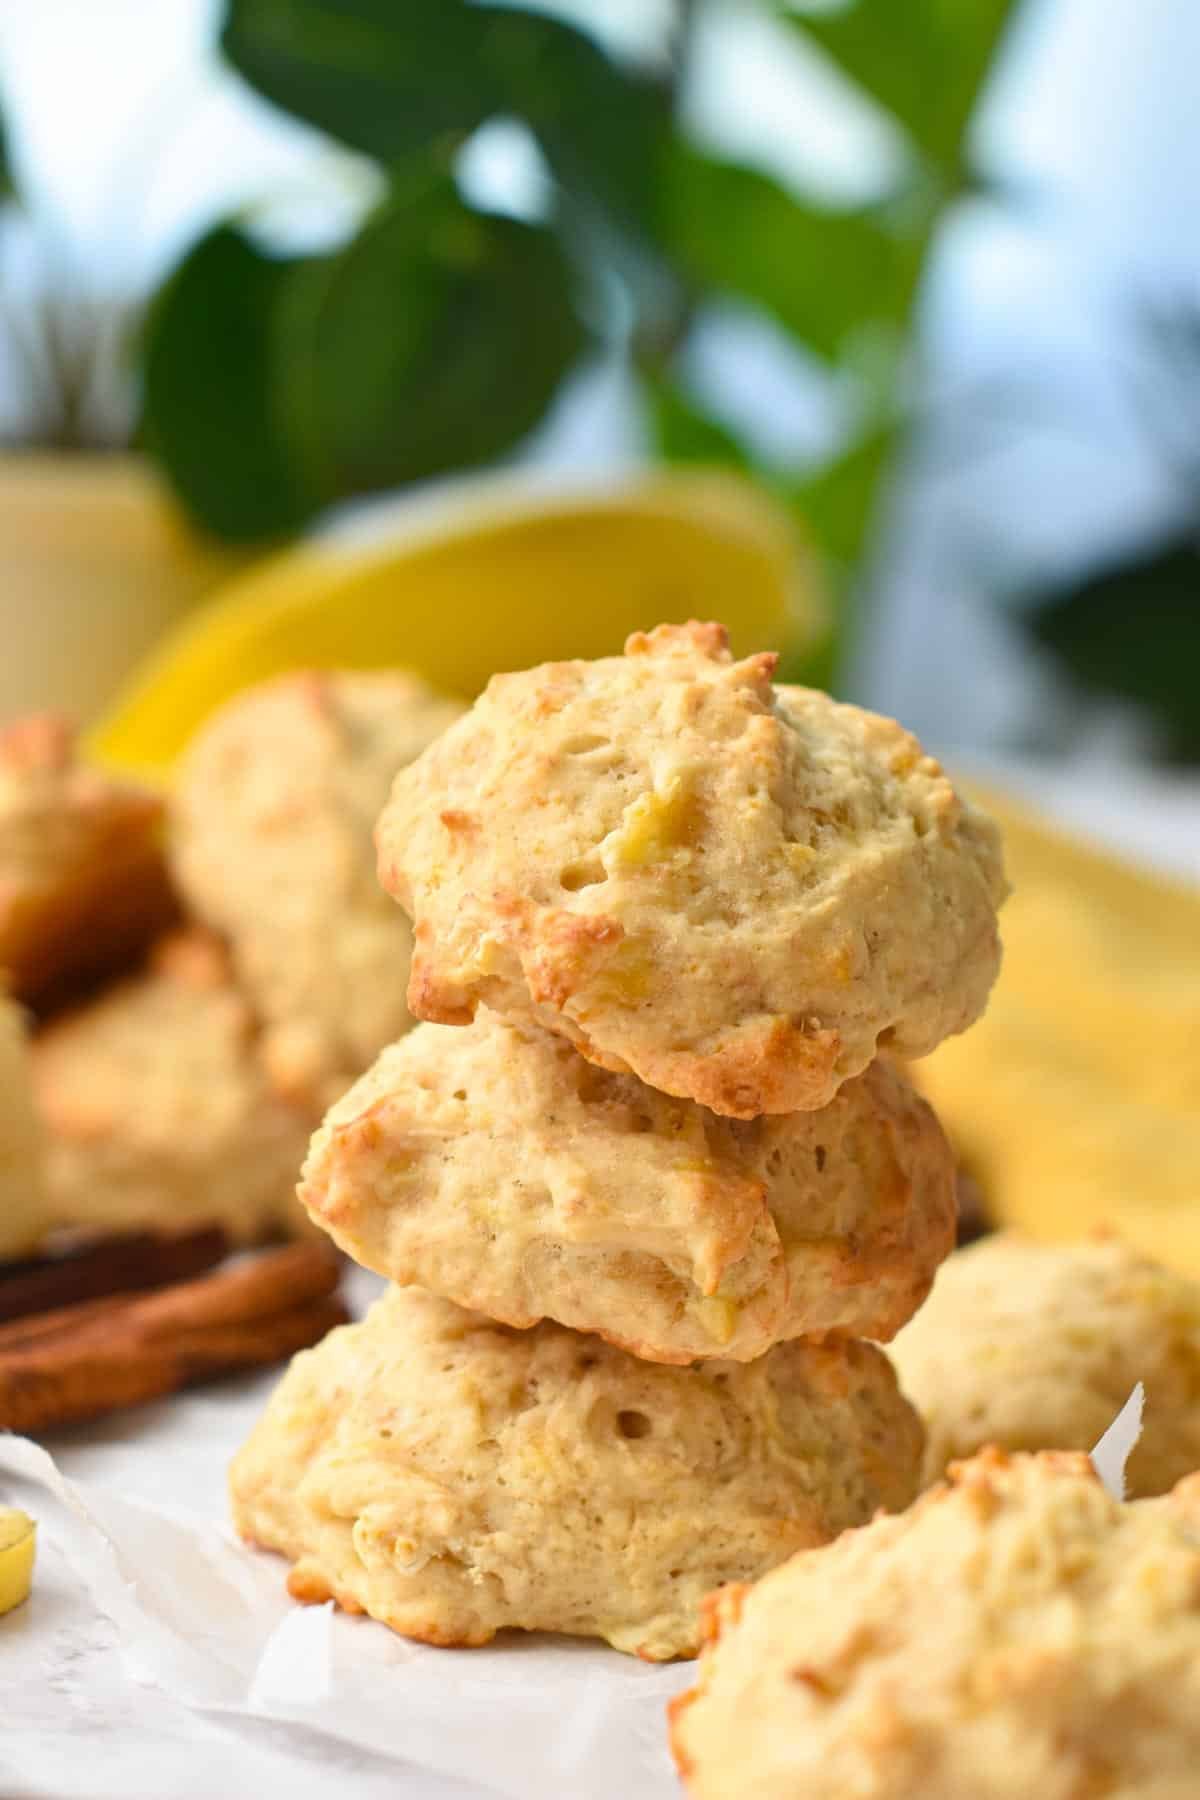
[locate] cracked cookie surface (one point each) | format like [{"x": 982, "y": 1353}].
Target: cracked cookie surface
[
  {"x": 734, "y": 891},
  {"x": 1017, "y": 1632},
  {"x": 493, "y": 1165},
  {"x": 454, "y": 1478}
]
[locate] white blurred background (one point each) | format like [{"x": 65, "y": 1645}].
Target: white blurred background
[{"x": 128, "y": 134}]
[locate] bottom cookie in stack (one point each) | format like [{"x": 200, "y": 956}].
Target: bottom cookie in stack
[{"x": 453, "y": 1477}]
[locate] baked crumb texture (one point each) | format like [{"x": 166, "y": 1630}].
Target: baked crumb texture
[
  {"x": 272, "y": 840},
  {"x": 734, "y": 891},
  {"x": 491, "y": 1164},
  {"x": 1018, "y": 1632},
  {"x": 454, "y": 1477},
  {"x": 1038, "y": 1346},
  {"x": 154, "y": 1107}
]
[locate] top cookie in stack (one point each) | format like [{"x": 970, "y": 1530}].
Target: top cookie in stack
[{"x": 733, "y": 891}]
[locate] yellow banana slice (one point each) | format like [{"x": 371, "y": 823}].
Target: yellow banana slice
[
  {"x": 18, "y": 1540},
  {"x": 489, "y": 574}
]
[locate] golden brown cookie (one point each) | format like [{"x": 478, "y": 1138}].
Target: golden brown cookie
[
  {"x": 273, "y": 846},
  {"x": 24, "y": 1218},
  {"x": 453, "y": 1478},
  {"x": 734, "y": 892},
  {"x": 83, "y": 884},
  {"x": 1037, "y": 1346},
  {"x": 155, "y": 1108},
  {"x": 1017, "y": 1633},
  {"x": 491, "y": 1164}
]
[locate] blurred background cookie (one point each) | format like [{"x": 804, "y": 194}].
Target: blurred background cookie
[
  {"x": 155, "y": 1108},
  {"x": 272, "y": 843},
  {"x": 1037, "y": 1346},
  {"x": 83, "y": 883},
  {"x": 1018, "y": 1632},
  {"x": 730, "y": 891},
  {"x": 24, "y": 1217},
  {"x": 453, "y": 1478},
  {"x": 492, "y": 1164}
]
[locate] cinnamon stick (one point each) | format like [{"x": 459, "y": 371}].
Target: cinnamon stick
[
  {"x": 78, "y": 1362},
  {"x": 133, "y": 1261}
]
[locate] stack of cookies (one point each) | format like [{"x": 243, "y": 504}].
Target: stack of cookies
[{"x": 642, "y": 1183}]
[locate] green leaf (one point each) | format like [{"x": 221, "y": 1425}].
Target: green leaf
[
  {"x": 683, "y": 432},
  {"x": 837, "y": 506},
  {"x": 1132, "y": 631},
  {"x": 391, "y": 76},
  {"x": 924, "y": 61},
  {"x": 816, "y": 666},
  {"x": 822, "y": 274},
  {"x": 7, "y": 185},
  {"x": 384, "y": 76},
  {"x": 601, "y": 126},
  {"x": 433, "y": 341},
  {"x": 838, "y": 502},
  {"x": 208, "y": 399}
]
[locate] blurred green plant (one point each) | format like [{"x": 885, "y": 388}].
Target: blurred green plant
[
  {"x": 6, "y": 180},
  {"x": 1128, "y": 627},
  {"x": 1122, "y": 624},
  {"x": 1131, "y": 630},
  {"x": 439, "y": 333}
]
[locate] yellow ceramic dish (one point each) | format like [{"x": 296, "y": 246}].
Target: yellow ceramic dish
[{"x": 1075, "y": 1101}]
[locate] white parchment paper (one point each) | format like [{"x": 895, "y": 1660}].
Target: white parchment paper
[
  {"x": 1114, "y": 1449},
  {"x": 158, "y": 1656}
]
